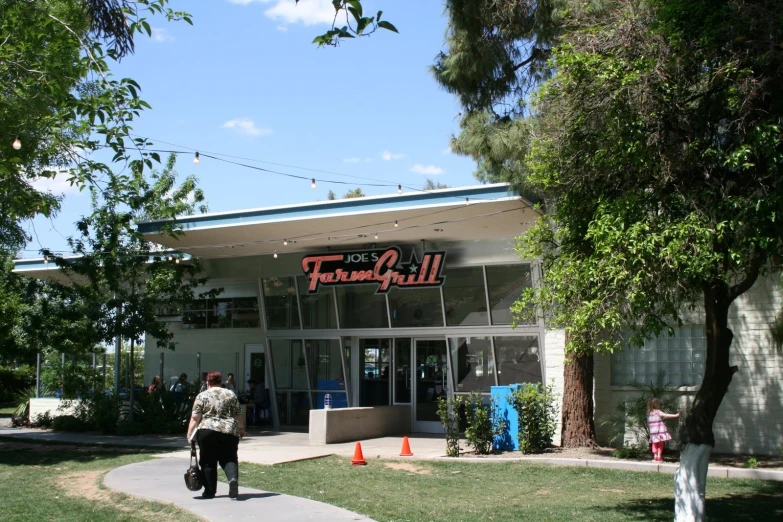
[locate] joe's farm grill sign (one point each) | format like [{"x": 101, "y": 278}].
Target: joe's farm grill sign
[{"x": 381, "y": 267}]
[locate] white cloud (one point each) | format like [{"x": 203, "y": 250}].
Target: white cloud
[
  {"x": 351, "y": 160},
  {"x": 429, "y": 170},
  {"x": 308, "y": 12},
  {"x": 246, "y": 126},
  {"x": 160, "y": 35},
  {"x": 387, "y": 156},
  {"x": 245, "y": 2},
  {"x": 57, "y": 185}
]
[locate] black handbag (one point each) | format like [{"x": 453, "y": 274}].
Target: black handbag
[{"x": 194, "y": 477}]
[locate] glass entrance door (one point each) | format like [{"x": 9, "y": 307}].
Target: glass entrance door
[{"x": 430, "y": 384}]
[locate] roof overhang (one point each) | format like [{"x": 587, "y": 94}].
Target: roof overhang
[{"x": 468, "y": 213}]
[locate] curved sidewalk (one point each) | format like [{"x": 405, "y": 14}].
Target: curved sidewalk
[{"x": 162, "y": 480}]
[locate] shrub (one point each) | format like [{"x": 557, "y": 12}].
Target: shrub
[
  {"x": 630, "y": 452},
  {"x": 103, "y": 411},
  {"x": 480, "y": 431},
  {"x": 131, "y": 429},
  {"x": 43, "y": 420},
  {"x": 14, "y": 380},
  {"x": 22, "y": 400},
  {"x": 537, "y": 411},
  {"x": 450, "y": 412},
  {"x": 752, "y": 462},
  {"x": 631, "y": 414},
  {"x": 70, "y": 423}
]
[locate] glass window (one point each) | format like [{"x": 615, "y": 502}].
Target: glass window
[
  {"x": 219, "y": 313},
  {"x": 360, "y": 307},
  {"x": 415, "y": 307},
  {"x": 317, "y": 309},
  {"x": 282, "y": 311},
  {"x": 675, "y": 360},
  {"x": 374, "y": 383},
  {"x": 402, "y": 371},
  {"x": 281, "y": 359},
  {"x": 463, "y": 295},
  {"x": 472, "y": 363},
  {"x": 195, "y": 315},
  {"x": 326, "y": 372},
  {"x": 245, "y": 313},
  {"x": 505, "y": 284},
  {"x": 518, "y": 359}
]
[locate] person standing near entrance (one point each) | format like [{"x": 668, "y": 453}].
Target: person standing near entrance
[{"x": 217, "y": 425}]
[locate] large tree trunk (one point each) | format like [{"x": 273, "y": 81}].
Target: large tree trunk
[
  {"x": 696, "y": 435},
  {"x": 578, "y": 423}
]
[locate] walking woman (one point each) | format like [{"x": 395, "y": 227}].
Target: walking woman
[{"x": 217, "y": 419}]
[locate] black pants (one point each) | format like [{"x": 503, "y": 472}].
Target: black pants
[{"x": 216, "y": 447}]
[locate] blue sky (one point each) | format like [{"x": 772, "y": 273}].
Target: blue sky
[{"x": 246, "y": 81}]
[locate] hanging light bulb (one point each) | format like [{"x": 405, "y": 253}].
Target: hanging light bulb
[
  {"x": 399, "y": 189},
  {"x": 176, "y": 260},
  {"x": 275, "y": 254},
  {"x": 170, "y": 258},
  {"x": 313, "y": 185},
  {"x": 46, "y": 260},
  {"x": 285, "y": 242},
  {"x": 376, "y": 235},
  {"x": 396, "y": 224},
  {"x": 197, "y": 159},
  {"x": 17, "y": 143}
]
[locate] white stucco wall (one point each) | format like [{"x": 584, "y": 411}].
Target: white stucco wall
[{"x": 750, "y": 419}]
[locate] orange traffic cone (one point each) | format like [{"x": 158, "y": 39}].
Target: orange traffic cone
[
  {"x": 358, "y": 458},
  {"x": 406, "y": 448}
]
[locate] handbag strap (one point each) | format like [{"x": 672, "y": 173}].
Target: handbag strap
[{"x": 193, "y": 454}]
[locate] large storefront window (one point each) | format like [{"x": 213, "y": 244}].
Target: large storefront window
[
  {"x": 464, "y": 297},
  {"x": 415, "y": 307},
  {"x": 221, "y": 313},
  {"x": 518, "y": 359},
  {"x": 472, "y": 364},
  {"x": 505, "y": 284},
  {"x": 326, "y": 372},
  {"x": 293, "y": 392},
  {"x": 360, "y": 307},
  {"x": 317, "y": 309},
  {"x": 282, "y": 309}
]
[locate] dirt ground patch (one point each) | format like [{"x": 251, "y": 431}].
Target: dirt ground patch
[
  {"x": 87, "y": 485},
  {"x": 404, "y": 466}
]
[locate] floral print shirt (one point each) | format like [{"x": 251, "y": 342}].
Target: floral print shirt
[{"x": 218, "y": 408}]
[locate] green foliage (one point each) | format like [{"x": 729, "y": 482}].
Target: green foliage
[
  {"x": 630, "y": 415},
  {"x": 752, "y": 462},
  {"x": 431, "y": 185},
  {"x": 43, "y": 420},
  {"x": 102, "y": 411},
  {"x": 450, "y": 414},
  {"x": 70, "y": 423},
  {"x": 160, "y": 412},
  {"x": 480, "y": 431},
  {"x": 635, "y": 451},
  {"x": 22, "y": 399},
  {"x": 355, "y": 193},
  {"x": 12, "y": 380},
  {"x": 537, "y": 410},
  {"x": 356, "y": 24}
]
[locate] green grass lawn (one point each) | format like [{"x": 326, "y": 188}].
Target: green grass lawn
[
  {"x": 7, "y": 410},
  {"x": 453, "y": 491},
  {"x": 41, "y": 482}
]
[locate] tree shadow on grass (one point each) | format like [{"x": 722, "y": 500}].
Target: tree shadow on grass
[
  {"x": 767, "y": 504},
  {"x": 49, "y": 454}
]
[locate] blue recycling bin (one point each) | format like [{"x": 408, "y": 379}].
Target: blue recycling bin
[{"x": 508, "y": 440}]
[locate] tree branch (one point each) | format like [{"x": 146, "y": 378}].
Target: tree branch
[{"x": 753, "y": 273}]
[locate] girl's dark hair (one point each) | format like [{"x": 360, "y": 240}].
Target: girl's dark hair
[{"x": 214, "y": 378}]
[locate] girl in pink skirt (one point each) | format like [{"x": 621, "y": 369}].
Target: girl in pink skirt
[{"x": 658, "y": 432}]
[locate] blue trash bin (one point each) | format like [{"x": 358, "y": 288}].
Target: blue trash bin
[{"x": 508, "y": 440}]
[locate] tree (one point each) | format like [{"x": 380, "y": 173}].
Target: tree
[
  {"x": 68, "y": 46},
  {"x": 355, "y": 193},
  {"x": 331, "y": 196},
  {"x": 356, "y": 24},
  {"x": 659, "y": 137},
  {"x": 497, "y": 54},
  {"x": 124, "y": 276},
  {"x": 431, "y": 185}
]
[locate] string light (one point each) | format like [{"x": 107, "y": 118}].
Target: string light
[
  {"x": 396, "y": 224},
  {"x": 275, "y": 254},
  {"x": 197, "y": 159},
  {"x": 467, "y": 201},
  {"x": 313, "y": 185},
  {"x": 176, "y": 260},
  {"x": 17, "y": 143},
  {"x": 170, "y": 258},
  {"x": 376, "y": 235},
  {"x": 399, "y": 189},
  {"x": 285, "y": 242}
]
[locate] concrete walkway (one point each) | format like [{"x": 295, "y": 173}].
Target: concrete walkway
[{"x": 162, "y": 480}]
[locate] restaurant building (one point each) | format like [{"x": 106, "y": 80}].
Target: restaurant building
[{"x": 395, "y": 301}]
